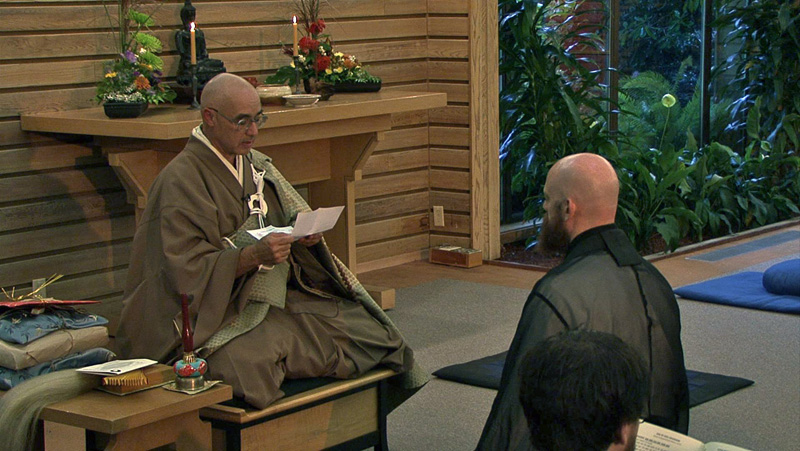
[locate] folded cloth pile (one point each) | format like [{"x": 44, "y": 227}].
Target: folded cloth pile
[{"x": 36, "y": 341}]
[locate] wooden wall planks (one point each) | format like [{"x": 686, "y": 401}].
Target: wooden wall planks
[{"x": 62, "y": 209}]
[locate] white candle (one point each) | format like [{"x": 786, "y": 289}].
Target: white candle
[
  {"x": 294, "y": 26},
  {"x": 193, "y": 45}
]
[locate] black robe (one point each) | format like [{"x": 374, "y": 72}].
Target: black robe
[{"x": 602, "y": 285}]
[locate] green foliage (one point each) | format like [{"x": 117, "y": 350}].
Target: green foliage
[
  {"x": 645, "y": 122},
  {"x": 652, "y": 185},
  {"x": 135, "y": 75},
  {"x": 662, "y": 36},
  {"x": 764, "y": 43},
  {"x": 552, "y": 106},
  {"x": 140, "y": 19},
  {"x": 551, "y": 103}
]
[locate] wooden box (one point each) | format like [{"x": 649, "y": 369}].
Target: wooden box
[{"x": 456, "y": 256}]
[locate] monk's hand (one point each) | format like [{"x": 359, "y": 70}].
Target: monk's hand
[
  {"x": 273, "y": 248},
  {"x": 310, "y": 240}
]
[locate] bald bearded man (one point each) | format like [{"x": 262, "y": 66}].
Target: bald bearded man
[
  {"x": 261, "y": 310},
  {"x": 602, "y": 285}
]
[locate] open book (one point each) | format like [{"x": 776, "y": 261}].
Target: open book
[{"x": 656, "y": 438}]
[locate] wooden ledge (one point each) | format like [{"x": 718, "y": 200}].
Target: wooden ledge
[
  {"x": 242, "y": 416},
  {"x": 166, "y": 122}
]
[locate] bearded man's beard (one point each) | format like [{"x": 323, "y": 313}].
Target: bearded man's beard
[{"x": 553, "y": 238}]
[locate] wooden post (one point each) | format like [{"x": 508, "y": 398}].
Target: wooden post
[{"x": 484, "y": 127}]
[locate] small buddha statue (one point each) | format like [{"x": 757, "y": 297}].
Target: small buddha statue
[{"x": 207, "y": 67}]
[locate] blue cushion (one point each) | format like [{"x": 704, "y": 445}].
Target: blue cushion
[
  {"x": 742, "y": 289},
  {"x": 10, "y": 378},
  {"x": 21, "y": 326},
  {"x": 783, "y": 278}
]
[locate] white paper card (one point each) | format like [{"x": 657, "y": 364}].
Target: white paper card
[
  {"x": 317, "y": 221},
  {"x": 116, "y": 367},
  {"x": 261, "y": 233}
]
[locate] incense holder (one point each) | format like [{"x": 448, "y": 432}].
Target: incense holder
[{"x": 189, "y": 372}]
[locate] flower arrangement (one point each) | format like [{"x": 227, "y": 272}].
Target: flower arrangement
[
  {"x": 135, "y": 76},
  {"x": 316, "y": 58}
]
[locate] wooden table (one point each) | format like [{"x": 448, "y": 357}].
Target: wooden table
[
  {"x": 325, "y": 146},
  {"x": 143, "y": 420}
]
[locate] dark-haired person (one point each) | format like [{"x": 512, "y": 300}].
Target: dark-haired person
[
  {"x": 603, "y": 284},
  {"x": 262, "y": 310},
  {"x": 583, "y": 390}
]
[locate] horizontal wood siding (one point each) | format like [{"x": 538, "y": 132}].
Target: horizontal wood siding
[
  {"x": 448, "y": 29},
  {"x": 62, "y": 209}
]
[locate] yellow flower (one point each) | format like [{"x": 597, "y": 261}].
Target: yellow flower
[
  {"x": 668, "y": 100},
  {"x": 328, "y": 71},
  {"x": 291, "y": 64},
  {"x": 338, "y": 70},
  {"x": 111, "y": 75},
  {"x": 338, "y": 54}
]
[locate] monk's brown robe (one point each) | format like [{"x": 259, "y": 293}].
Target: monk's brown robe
[{"x": 330, "y": 326}]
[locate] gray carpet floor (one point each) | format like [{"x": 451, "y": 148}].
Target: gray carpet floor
[{"x": 449, "y": 321}]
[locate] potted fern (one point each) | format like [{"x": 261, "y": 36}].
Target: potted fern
[{"x": 133, "y": 80}]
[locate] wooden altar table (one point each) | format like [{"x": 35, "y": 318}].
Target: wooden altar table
[{"x": 324, "y": 146}]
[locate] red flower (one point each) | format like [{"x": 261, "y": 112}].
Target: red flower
[
  {"x": 316, "y": 27},
  {"x": 308, "y": 45},
  {"x": 322, "y": 63}
]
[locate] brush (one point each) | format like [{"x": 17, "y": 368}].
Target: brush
[
  {"x": 136, "y": 380},
  {"x": 131, "y": 378}
]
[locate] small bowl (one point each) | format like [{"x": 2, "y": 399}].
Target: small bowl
[
  {"x": 273, "y": 94},
  {"x": 301, "y": 100}
]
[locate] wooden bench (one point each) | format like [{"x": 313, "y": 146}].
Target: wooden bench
[{"x": 342, "y": 415}]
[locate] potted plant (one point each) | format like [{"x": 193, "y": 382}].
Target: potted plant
[
  {"x": 319, "y": 66},
  {"x": 133, "y": 80}
]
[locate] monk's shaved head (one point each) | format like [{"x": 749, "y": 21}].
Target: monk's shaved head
[
  {"x": 225, "y": 89},
  {"x": 585, "y": 188},
  {"x": 229, "y": 107},
  {"x": 589, "y": 179}
]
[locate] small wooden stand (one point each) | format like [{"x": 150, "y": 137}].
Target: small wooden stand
[
  {"x": 144, "y": 420},
  {"x": 456, "y": 256}
]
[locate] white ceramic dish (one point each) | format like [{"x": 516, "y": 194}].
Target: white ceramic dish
[{"x": 301, "y": 100}]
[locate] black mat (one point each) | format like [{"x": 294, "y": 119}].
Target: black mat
[{"x": 486, "y": 372}]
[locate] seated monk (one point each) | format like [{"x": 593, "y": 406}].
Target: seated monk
[
  {"x": 261, "y": 310},
  {"x": 602, "y": 285},
  {"x": 207, "y": 67}
]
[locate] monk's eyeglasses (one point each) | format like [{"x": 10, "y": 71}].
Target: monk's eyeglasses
[{"x": 244, "y": 122}]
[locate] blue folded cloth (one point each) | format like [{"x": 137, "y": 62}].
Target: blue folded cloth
[
  {"x": 21, "y": 326},
  {"x": 9, "y": 378}
]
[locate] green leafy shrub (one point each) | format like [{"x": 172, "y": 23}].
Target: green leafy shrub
[{"x": 551, "y": 102}]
